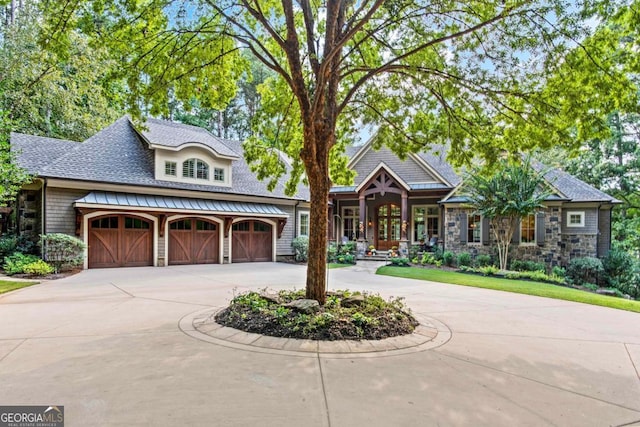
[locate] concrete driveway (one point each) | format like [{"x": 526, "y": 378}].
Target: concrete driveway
[{"x": 106, "y": 345}]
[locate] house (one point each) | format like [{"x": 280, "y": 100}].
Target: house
[
  {"x": 162, "y": 194},
  {"x": 396, "y": 202},
  {"x": 168, "y": 193}
]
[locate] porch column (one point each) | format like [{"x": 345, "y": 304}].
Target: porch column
[
  {"x": 331, "y": 219},
  {"x": 404, "y": 245},
  {"x": 362, "y": 222}
]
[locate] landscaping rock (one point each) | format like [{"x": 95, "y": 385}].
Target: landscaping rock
[
  {"x": 352, "y": 301},
  {"x": 274, "y": 298},
  {"x": 607, "y": 292},
  {"x": 307, "y": 306}
]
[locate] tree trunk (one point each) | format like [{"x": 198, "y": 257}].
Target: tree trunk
[{"x": 318, "y": 222}]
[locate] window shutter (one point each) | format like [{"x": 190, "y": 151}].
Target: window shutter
[
  {"x": 515, "y": 239},
  {"x": 485, "y": 231},
  {"x": 540, "y": 228},
  {"x": 463, "y": 227}
]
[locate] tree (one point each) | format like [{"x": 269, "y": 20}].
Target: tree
[
  {"x": 471, "y": 74},
  {"x": 12, "y": 176},
  {"x": 504, "y": 194}
]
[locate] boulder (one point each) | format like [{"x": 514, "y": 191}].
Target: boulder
[
  {"x": 352, "y": 301},
  {"x": 607, "y": 292},
  {"x": 307, "y": 306},
  {"x": 274, "y": 298}
]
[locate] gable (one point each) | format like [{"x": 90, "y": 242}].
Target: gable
[{"x": 409, "y": 170}]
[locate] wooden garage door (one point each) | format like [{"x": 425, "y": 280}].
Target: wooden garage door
[
  {"x": 120, "y": 241},
  {"x": 252, "y": 241},
  {"x": 193, "y": 241}
]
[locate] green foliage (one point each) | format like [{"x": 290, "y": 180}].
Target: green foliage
[
  {"x": 346, "y": 259},
  {"x": 38, "y": 268},
  {"x": 522, "y": 265},
  {"x": 400, "y": 261},
  {"x": 301, "y": 248},
  {"x": 558, "y": 271},
  {"x": 63, "y": 251},
  {"x": 448, "y": 258},
  {"x": 483, "y": 260},
  {"x": 504, "y": 193},
  {"x": 585, "y": 270},
  {"x": 15, "y": 263},
  {"x": 590, "y": 286},
  {"x": 7, "y": 245},
  {"x": 488, "y": 270},
  {"x": 621, "y": 272},
  {"x": 464, "y": 259},
  {"x": 12, "y": 176}
]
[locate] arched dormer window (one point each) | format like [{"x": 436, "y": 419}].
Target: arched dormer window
[{"x": 195, "y": 168}]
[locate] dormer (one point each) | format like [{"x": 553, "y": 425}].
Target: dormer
[{"x": 190, "y": 154}]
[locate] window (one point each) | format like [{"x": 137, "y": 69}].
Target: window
[
  {"x": 575, "y": 219},
  {"x": 528, "y": 229},
  {"x": 426, "y": 220},
  {"x": 105, "y": 222},
  {"x": 195, "y": 168},
  {"x": 474, "y": 229},
  {"x": 170, "y": 168},
  {"x": 218, "y": 174},
  {"x": 303, "y": 224},
  {"x": 205, "y": 226},
  {"x": 350, "y": 222},
  {"x": 184, "y": 224},
  {"x": 136, "y": 223}
]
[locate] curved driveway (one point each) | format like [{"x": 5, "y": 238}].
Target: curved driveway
[{"x": 106, "y": 345}]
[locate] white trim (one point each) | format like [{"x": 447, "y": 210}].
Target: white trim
[
  {"x": 193, "y": 144},
  {"x": 356, "y": 224},
  {"x": 274, "y": 235},
  {"x": 426, "y": 206},
  {"x": 535, "y": 228},
  {"x": 374, "y": 171},
  {"x": 300, "y": 213},
  {"x": 85, "y": 231},
  {"x": 163, "y": 191},
  {"x": 208, "y": 218},
  {"x": 581, "y": 214},
  {"x": 428, "y": 168}
]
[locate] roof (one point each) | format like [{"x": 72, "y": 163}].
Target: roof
[
  {"x": 118, "y": 155},
  {"x": 575, "y": 189},
  {"x": 162, "y": 133},
  {"x": 436, "y": 157},
  {"x": 36, "y": 152},
  {"x": 164, "y": 203}
]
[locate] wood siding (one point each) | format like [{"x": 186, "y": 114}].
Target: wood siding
[
  {"x": 590, "y": 220},
  {"x": 408, "y": 170},
  {"x": 60, "y": 214}
]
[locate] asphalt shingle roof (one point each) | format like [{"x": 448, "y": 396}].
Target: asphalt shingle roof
[
  {"x": 575, "y": 189},
  {"x": 36, "y": 152},
  {"x": 173, "y": 135},
  {"x": 118, "y": 155}
]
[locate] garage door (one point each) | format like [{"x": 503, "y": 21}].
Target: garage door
[
  {"x": 193, "y": 241},
  {"x": 120, "y": 241},
  {"x": 252, "y": 241}
]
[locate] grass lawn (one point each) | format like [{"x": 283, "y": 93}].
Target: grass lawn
[
  {"x": 508, "y": 285},
  {"x": 10, "y": 285},
  {"x": 332, "y": 265}
]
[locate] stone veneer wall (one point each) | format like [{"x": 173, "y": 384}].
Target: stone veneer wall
[{"x": 558, "y": 248}]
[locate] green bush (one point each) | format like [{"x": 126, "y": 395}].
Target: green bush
[
  {"x": 483, "y": 260},
  {"x": 28, "y": 245},
  {"x": 38, "y": 268},
  {"x": 438, "y": 253},
  {"x": 488, "y": 270},
  {"x": 585, "y": 270},
  {"x": 15, "y": 263},
  {"x": 619, "y": 267},
  {"x": 448, "y": 258},
  {"x": 301, "y": 248},
  {"x": 64, "y": 252},
  {"x": 346, "y": 259},
  {"x": 558, "y": 271},
  {"x": 464, "y": 259},
  {"x": 7, "y": 246},
  {"x": 347, "y": 248},
  {"x": 520, "y": 265},
  {"x": 400, "y": 261}
]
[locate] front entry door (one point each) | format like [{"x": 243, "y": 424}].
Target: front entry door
[{"x": 389, "y": 226}]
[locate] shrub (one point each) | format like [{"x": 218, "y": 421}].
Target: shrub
[
  {"x": 464, "y": 259},
  {"x": 62, "y": 251},
  {"x": 346, "y": 259},
  {"x": 438, "y": 253},
  {"x": 483, "y": 260},
  {"x": 27, "y": 245},
  {"x": 520, "y": 265},
  {"x": 301, "y": 248},
  {"x": 618, "y": 268},
  {"x": 584, "y": 270},
  {"x": 38, "y": 268},
  {"x": 332, "y": 252},
  {"x": 488, "y": 270},
  {"x": 400, "y": 261},
  {"x": 15, "y": 263},
  {"x": 347, "y": 248},
  {"x": 448, "y": 258},
  {"x": 558, "y": 271},
  {"x": 7, "y": 246}
]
